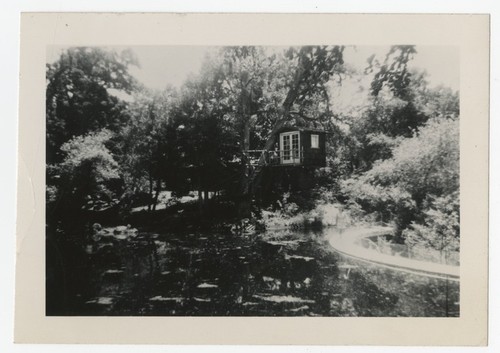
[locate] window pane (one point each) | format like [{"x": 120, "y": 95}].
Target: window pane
[
  {"x": 295, "y": 145},
  {"x": 286, "y": 147},
  {"x": 314, "y": 141}
]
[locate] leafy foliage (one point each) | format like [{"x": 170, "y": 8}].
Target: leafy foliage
[
  {"x": 393, "y": 74},
  {"x": 90, "y": 149},
  {"x": 441, "y": 227},
  {"x": 142, "y": 142},
  {"x": 88, "y": 178},
  {"x": 396, "y": 157},
  {"x": 423, "y": 167},
  {"x": 79, "y": 95}
]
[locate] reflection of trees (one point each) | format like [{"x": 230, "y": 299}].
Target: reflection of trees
[
  {"x": 367, "y": 298},
  {"x": 174, "y": 267},
  {"x": 382, "y": 292}
]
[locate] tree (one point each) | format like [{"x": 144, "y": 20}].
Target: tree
[
  {"x": 440, "y": 228},
  {"x": 438, "y": 102},
  {"x": 422, "y": 168},
  {"x": 393, "y": 112},
  {"x": 307, "y": 98},
  {"x": 393, "y": 74},
  {"x": 297, "y": 94},
  {"x": 400, "y": 103},
  {"x": 143, "y": 143},
  {"x": 202, "y": 139},
  {"x": 86, "y": 179},
  {"x": 272, "y": 89},
  {"x": 79, "y": 95},
  {"x": 244, "y": 74}
]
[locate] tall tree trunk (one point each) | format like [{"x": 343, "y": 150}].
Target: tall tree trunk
[
  {"x": 252, "y": 178},
  {"x": 245, "y": 182},
  {"x": 307, "y": 75},
  {"x": 285, "y": 111},
  {"x": 157, "y": 193},
  {"x": 150, "y": 191}
]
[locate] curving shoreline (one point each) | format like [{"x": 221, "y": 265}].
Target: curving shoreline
[{"x": 345, "y": 243}]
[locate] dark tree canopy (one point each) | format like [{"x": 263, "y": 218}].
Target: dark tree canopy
[{"x": 78, "y": 96}]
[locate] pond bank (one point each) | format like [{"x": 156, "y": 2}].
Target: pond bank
[{"x": 345, "y": 242}]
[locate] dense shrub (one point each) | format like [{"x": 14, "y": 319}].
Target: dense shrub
[
  {"x": 412, "y": 187},
  {"x": 441, "y": 227}
]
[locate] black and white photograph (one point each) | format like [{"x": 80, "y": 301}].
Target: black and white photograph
[
  {"x": 302, "y": 179},
  {"x": 263, "y": 181}
]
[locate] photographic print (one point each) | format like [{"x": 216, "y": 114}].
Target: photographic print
[
  {"x": 185, "y": 184},
  {"x": 253, "y": 181}
]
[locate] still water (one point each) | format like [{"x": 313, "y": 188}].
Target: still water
[{"x": 270, "y": 274}]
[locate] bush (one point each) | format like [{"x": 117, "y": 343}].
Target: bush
[
  {"x": 424, "y": 170},
  {"x": 441, "y": 227}
]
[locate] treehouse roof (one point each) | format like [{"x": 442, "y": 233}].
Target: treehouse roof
[{"x": 302, "y": 129}]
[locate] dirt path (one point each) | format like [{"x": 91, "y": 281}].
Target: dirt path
[{"x": 345, "y": 243}]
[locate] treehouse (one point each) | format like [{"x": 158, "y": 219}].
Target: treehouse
[
  {"x": 294, "y": 147},
  {"x": 301, "y": 146}
]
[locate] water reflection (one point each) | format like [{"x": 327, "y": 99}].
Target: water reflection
[{"x": 273, "y": 274}]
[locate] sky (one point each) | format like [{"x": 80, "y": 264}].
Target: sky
[
  {"x": 171, "y": 65},
  {"x": 164, "y": 65}
]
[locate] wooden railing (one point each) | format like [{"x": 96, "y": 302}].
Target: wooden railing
[{"x": 275, "y": 157}]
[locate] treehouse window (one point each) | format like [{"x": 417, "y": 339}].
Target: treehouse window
[
  {"x": 314, "y": 141},
  {"x": 290, "y": 147}
]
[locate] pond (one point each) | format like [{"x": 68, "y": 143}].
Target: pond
[{"x": 272, "y": 274}]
